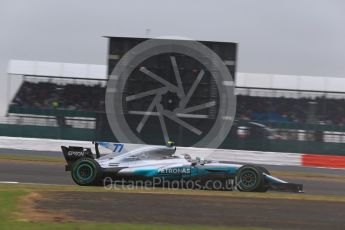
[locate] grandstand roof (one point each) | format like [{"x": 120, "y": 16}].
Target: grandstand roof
[{"x": 55, "y": 69}]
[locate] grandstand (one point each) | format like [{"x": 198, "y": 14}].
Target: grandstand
[
  {"x": 288, "y": 109},
  {"x": 48, "y": 94}
]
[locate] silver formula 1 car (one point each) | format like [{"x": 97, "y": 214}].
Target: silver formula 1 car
[{"x": 161, "y": 165}]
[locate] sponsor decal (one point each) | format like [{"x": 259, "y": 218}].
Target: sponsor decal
[
  {"x": 174, "y": 171},
  {"x": 75, "y": 153}
]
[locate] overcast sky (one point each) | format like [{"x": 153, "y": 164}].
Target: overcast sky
[{"x": 302, "y": 37}]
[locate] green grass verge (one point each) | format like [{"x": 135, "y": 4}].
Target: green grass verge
[
  {"x": 11, "y": 193},
  {"x": 9, "y": 206},
  {"x": 225, "y": 194}
]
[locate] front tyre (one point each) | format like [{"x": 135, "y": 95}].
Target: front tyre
[
  {"x": 249, "y": 179},
  {"x": 86, "y": 171},
  {"x": 264, "y": 186}
]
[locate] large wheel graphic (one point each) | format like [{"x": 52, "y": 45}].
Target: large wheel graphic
[{"x": 171, "y": 101}]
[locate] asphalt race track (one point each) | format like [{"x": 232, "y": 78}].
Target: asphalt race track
[
  {"x": 33, "y": 172},
  {"x": 53, "y": 173}
]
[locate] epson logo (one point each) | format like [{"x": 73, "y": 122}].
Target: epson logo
[
  {"x": 175, "y": 171},
  {"x": 75, "y": 153}
]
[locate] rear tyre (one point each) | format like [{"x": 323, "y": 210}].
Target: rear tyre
[
  {"x": 86, "y": 171},
  {"x": 249, "y": 179}
]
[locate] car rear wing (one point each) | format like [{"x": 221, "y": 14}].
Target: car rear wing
[{"x": 74, "y": 153}]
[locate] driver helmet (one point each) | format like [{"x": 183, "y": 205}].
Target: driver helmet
[{"x": 187, "y": 157}]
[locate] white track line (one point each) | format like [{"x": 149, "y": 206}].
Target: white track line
[{"x": 9, "y": 182}]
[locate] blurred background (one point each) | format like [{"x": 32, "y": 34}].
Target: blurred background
[{"x": 290, "y": 77}]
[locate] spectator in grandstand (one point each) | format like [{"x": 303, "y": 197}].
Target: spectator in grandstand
[
  {"x": 45, "y": 95},
  {"x": 48, "y": 95}
]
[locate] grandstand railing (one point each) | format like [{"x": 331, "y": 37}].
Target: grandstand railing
[
  {"x": 48, "y": 121},
  {"x": 52, "y": 112}
]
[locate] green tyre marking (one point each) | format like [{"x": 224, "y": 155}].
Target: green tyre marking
[{"x": 80, "y": 176}]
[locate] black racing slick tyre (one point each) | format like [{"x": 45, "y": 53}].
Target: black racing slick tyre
[
  {"x": 86, "y": 171},
  {"x": 264, "y": 186},
  {"x": 263, "y": 169},
  {"x": 249, "y": 178}
]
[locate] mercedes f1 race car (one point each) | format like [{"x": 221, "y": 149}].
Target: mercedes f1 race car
[{"x": 160, "y": 164}]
